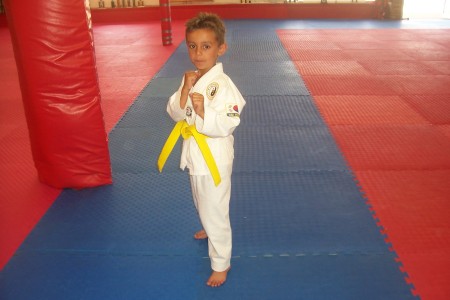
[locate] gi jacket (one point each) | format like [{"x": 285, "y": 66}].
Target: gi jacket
[{"x": 223, "y": 105}]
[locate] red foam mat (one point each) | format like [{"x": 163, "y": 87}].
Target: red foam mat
[
  {"x": 318, "y": 55},
  {"x": 414, "y": 209},
  {"x": 370, "y": 55},
  {"x": 434, "y": 108},
  {"x": 23, "y": 200},
  {"x": 445, "y": 129},
  {"x": 399, "y": 68},
  {"x": 347, "y": 85},
  {"x": 363, "y": 109},
  {"x": 128, "y": 56},
  {"x": 392, "y": 124},
  {"x": 393, "y": 147},
  {"x": 417, "y": 84},
  {"x": 427, "y": 54},
  {"x": 336, "y": 68},
  {"x": 441, "y": 66},
  {"x": 311, "y": 45}
]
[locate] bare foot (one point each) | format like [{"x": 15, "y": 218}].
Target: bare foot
[
  {"x": 217, "y": 278},
  {"x": 200, "y": 235}
]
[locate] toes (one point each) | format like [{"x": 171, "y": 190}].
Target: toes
[
  {"x": 217, "y": 278},
  {"x": 214, "y": 283},
  {"x": 200, "y": 235}
]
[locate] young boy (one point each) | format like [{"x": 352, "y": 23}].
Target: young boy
[{"x": 207, "y": 107}]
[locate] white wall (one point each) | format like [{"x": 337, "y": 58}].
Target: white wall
[{"x": 425, "y": 9}]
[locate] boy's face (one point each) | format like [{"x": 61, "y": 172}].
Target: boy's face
[{"x": 204, "y": 49}]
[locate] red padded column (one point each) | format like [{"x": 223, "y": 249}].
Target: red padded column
[
  {"x": 166, "y": 22},
  {"x": 54, "y": 51}
]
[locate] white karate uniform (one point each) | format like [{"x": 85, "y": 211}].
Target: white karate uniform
[{"x": 223, "y": 104}]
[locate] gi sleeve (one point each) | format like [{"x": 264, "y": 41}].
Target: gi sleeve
[
  {"x": 222, "y": 113},
  {"x": 173, "y": 105}
]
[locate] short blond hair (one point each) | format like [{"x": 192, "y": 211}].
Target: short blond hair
[{"x": 208, "y": 21}]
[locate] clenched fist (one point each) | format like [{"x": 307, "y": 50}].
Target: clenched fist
[
  {"x": 190, "y": 78},
  {"x": 198, "y": 102}
]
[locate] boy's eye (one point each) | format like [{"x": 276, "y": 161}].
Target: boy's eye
[
  {"x": 192, "y": 46},
  {"x": 206, "y": 46}
]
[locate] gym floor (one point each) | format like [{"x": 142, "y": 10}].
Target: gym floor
[{"x": 340, "y": 184}]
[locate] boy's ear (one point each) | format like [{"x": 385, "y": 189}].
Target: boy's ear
[{"x": 222, "y": 49}]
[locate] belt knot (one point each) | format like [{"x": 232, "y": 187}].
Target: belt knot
[{"x": 186, "y": 131}]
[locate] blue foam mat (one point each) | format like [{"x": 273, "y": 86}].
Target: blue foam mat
[
  {"x": 327, "y": 277},
  {"x": 281, "y": 85},
  {"x": 139, "y": 213},
  {"x": 94, "y": 276},
  {"x": 260, "y": 56},
  {"x": 301, "y": 212},
  {"x": 301, "y": 227},
  {"x": 286, "y": 149},
  {"x": 136, "y": 150},
  {"x": 280, "y": 110},
  {"x": 295, "y": 213},
  {"x": 162, "y": 87},
  {"x": 261, "y": 69}
]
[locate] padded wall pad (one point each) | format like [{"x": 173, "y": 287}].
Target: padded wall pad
[{"x": 55, "y": 58}]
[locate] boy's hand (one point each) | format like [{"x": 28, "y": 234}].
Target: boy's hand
[
  {"x": 198, "y": 103},
  {"x": 190, "y": 78}
]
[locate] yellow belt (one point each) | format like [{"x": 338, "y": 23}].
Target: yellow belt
[{"x": 187, "y": 131}]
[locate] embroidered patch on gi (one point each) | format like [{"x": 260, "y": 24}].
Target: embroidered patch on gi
[
  {"x": 212, "y": 90},
  {"x": 188, "y": 111},
  {"x": 232, "y": 110}
]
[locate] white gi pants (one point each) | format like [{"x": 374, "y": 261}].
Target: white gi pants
[{"x": 212, "y": 205}]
